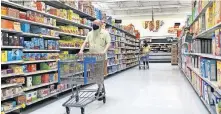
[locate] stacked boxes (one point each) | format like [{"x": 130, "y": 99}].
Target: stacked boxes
[{"x": 174, "y": 52}]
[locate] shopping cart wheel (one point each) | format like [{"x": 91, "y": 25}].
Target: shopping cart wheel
[
  {"x": 139, "y": 67},
  {"x": 67, "y": 110},
  {"x": 104, "y": 99},
  {"x": 82, "y": 110}
]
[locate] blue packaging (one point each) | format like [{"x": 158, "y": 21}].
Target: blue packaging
[
  {"x": 37, "y": 56},
  {"x": 27, "y": 45},
  {"x": 21, "y": 41},
  {"x": 25, "y": 27},
  {"x": 32, "y": 56},
  {"x": 202, "y": 67},
  {"x": 51, "y": 77},
  {"x": 35, "y": 42},
  {"x": 10, "y": 56},
  {"x": 38, "y": 30},
  {"x": 19, "y": 55},
  {"x": 44, "y": 56},
  {"x": 26, "y": 57},
  {"x": 57, "y": 45},
  {"x": 25, "y": 68},
  {"x": 212, "y": 70},
  {"x": 31, "y": 45},
  {"x": 41, "y": 43},
  {"x": 50, "y": 44}
]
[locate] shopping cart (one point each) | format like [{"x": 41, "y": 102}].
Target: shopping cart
[{"x": 93, "y": 67}]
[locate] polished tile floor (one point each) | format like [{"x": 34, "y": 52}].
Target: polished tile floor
[{"x": 160, "y": 90}]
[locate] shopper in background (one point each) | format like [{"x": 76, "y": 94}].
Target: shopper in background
[
  {"x": 99, "y": 42},
  {"x": 146, "y": 50}
]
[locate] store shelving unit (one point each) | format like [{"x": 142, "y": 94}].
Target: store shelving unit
[
  {"x": 129, "y": 41},
  {"x": 196, "y": 58}
]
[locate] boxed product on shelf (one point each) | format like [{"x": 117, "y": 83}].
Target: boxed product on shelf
[
  {"x": 216, "y": 98},
  {"x": 34, "y": 95},
  {"x": 28, "y": 97},
  {"x": 32, "y": 67},
  {"x": 28, "y": 81},
  {"x": 11, "y": 91},
  {"x": 20, "y": 80},
  {"x": 43, "y": 92},
  {"x": 4, "y": 56},
  {"x": 13, "y": 55},
  {"x": 218, "y": 12},
  {"x": 218, "y": 73},
  {"x": 207, "y": 93},
  {"x": 203, "y": 67},
  {"x": 36, "y": 80},
  {"x": 4, "y": 10},
  {"x": 8, "y": 105},
  {"x": 45, "y": 78},
  {"x": 21, "y": 99},
  {"x": 217, "y": 42},
  {"x": 6, "y": 24},
  {"x": 212, "y": 73}
]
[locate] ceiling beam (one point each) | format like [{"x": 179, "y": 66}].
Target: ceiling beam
[
  {"x": 149, "y": 14},
  {"x": 146, "y": 7}
]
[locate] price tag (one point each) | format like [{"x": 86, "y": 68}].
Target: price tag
[{"x": 23, "y": 105}]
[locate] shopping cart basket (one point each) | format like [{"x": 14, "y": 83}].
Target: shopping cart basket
[{"x": 88, "y": 71}]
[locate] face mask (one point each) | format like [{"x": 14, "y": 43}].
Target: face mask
[{"x": 95, "y": 27}]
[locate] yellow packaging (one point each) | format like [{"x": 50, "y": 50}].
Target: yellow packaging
[
  {"x": 4, "y": 56},
  {"x": 219, "y": 72}
]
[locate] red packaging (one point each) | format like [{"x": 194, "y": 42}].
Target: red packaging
[
  {"x": 32, "y": 67},
  {"x": 22, "y": 15},
  {"x": 30, "y": 15},
  {"x": 45, "y": 78},
  {"x": 40, "y": 6}
]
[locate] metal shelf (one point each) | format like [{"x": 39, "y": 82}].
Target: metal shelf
[
  {"x": 11, "y": 62},
  {"x": 13, "y": 96},
  {"x": 211, "y": 83},
  {"x": 39, "y": 35},
  {"x": 206, "y": 55},
  {"x": 39, "y": 61},
  {"x": 13, "y": 109},
  {"x": 35, "y": 50},
  {"x": 12, "y": 47},
  {"x": 112, "y": 65},
  {"x": 10, "y": 85},
  {"x": 59, "y": 4},
  {"x": 27, "y": 21},
  {"x": 207, "y": 106},
  {"x": 202, "y": 12},
  {"x": 38, "y": 86},
  {"x": 71, "y": 48},
  {"x": 70, "y": 34},
  {"x": 12, "y": 75},
  {"x": 39, "y": 72},
  {"x": 208, "y": 33},
  {"x": 10, "y": 31}
]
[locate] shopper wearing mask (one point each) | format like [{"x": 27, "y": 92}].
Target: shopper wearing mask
[{"x": 99, "y": 42}]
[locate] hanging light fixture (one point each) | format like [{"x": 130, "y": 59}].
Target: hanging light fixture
[{"x": 151, "y": 26}]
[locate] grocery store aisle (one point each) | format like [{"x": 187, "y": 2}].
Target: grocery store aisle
[{"x": 161, "y": 90}]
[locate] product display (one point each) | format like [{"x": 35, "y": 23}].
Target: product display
[
  {"x": 201, "y": 56},
  {"x": 36, "y": 35}
]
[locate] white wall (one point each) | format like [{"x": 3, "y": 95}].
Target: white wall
[{"x": 168, "y": 22}]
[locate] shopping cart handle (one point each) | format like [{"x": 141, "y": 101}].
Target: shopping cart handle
[{"x": 89, "y": 60}]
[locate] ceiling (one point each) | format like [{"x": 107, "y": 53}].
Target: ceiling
[{"x": 139, "y": 8}]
